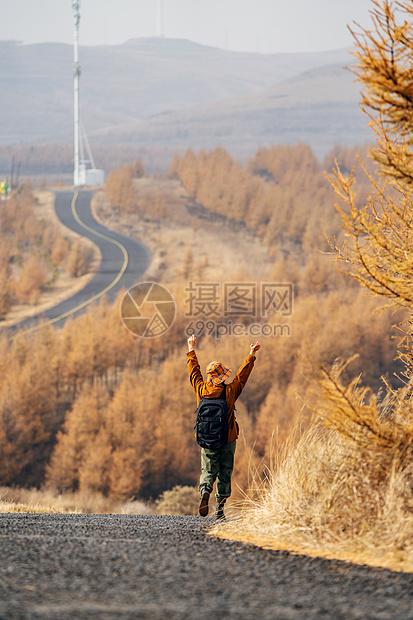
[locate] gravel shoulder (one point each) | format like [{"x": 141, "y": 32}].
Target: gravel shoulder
[{"x": 127, "y": 566}]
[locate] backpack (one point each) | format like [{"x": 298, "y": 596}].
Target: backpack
[{"x": 212, "y": 425}]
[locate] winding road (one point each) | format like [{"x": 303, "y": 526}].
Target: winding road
[{"x": 124, "y": 260}]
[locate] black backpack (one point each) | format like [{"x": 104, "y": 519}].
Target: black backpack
[{"x": 212, "y": 425}]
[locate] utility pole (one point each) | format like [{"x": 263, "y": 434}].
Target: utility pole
[
  {"x": 12, "y": 173},
  {"x": 84, "y": 172},
  {"x": 76, "y": 76}
]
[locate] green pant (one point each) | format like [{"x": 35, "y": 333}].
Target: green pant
[{"x": 217, "y": 465}]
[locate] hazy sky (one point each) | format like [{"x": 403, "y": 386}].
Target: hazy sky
[{"x": 241, "y": 25}]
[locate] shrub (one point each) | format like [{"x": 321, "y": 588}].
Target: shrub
[
  {"x": 80, "y": 259},
  {"x": 181, "y": 500}
]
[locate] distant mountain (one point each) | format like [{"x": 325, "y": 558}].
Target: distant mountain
[
  {"x": 319, "y": 107},
  {"x": 174, "y": 92}
]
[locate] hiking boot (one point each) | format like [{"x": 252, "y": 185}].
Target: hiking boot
[
  {"x": 203, "y": 506},
  {"x": 219, "y": 512}
]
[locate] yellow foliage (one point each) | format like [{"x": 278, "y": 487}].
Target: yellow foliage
[
  {"x": 29, "y": 252},
  {"x": 80, "y": 259},
  {"x": 122, "y": 407},
  {"x": 379, "y": 240},
  {"x": 33, "y": 277},
  {"x": 121, "y": 191}
]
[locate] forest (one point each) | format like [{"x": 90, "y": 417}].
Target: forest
[
  {"x": 33, "y": 252},
  {"x": 114, "y": 415}
]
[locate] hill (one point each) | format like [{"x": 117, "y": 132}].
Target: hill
[
  {"x": 176, "y": 92},
  {"x": 318, "y": 107}
]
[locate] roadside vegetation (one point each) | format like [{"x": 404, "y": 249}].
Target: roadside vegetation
[
  {"x": 345, "y": 489},
  {"x": 13, "y": 500},
  {"x": 35, "y": 255}
]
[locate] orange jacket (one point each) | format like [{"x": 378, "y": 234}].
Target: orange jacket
[{"x": 206, "y": 389}]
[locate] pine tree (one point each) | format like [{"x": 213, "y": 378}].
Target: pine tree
[
  {"x": 379, "y": 234},
  {"x": 378, "y": 243},
  {"x": 33, "y": 277},
  {"x": 80, "y": 259}
]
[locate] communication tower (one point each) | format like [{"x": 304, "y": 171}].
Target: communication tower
[{"x": 84, "y": 172}]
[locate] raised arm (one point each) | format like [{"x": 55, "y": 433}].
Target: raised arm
[
  {"x": 237, "y": 385},
  {"x": 195, "y": 375}
]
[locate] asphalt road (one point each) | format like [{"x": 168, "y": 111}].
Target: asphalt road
[
  {"x": 124, "y": 260},
  {"x": 101, "y": 567}
]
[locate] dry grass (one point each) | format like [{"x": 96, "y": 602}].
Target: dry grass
[
  {"x": 345, "y": 489},
  {"x": 44, "y": 501},
  {"x": 181, "y": 500},
  {"x": 11, "y": 507},
  {"x": 325, "y": 500}
]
